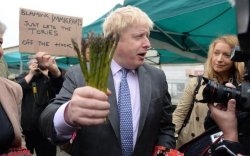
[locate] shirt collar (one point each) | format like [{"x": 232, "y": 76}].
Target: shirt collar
[{"x": 115, "y": 67}]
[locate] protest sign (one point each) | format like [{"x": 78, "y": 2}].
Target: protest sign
[{"x": 42, "y": 31}]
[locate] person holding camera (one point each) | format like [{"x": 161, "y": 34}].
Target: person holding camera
[
  {"x": 42, "y": 82},
  {"x": 218, "y": 67},
  {"x": 226, "y": 119}
]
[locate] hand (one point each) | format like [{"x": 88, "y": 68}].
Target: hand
[
  {"x": 226, "y": 119},
  {"x": 88, "y": 106},
  {"x": 33, "y": 67},
  {"x": 45, "y": 61}
]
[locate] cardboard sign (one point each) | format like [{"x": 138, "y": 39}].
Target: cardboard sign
[{"x": 42, "y": 31}]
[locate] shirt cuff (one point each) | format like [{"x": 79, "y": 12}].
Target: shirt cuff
[{"x": 63, "y": 130}]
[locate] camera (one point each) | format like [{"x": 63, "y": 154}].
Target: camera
[
  {"x": 215, "y": 92},
  {"x": 41, "y": 66}
]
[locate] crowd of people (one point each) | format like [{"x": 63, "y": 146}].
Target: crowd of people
[{"x": 134, "y": 118}]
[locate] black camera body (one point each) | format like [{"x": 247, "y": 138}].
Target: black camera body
[
  {"x": 41, "y": 66},
  {"x": 215, "y": 92}
]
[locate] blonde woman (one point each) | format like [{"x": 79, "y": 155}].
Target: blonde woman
[{"x": 219, "y": 68}]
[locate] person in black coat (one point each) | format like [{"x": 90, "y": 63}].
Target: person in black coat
[{"x": 42, "y": 82}]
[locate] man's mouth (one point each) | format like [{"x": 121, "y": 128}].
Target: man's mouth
[{"x": 142, "y": 54}]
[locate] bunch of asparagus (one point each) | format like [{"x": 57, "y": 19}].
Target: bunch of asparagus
[{"x": 101, "y": 50}]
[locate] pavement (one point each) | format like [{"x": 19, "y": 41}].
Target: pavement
[{"x": 58, "y": 153}]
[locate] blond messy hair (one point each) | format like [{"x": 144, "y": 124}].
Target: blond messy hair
[
  {"x": 238, "y": 68},
  {"x": 124, "y": 17}
]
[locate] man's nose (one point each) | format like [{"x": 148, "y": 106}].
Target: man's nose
[{"x": 146, "y": 43}]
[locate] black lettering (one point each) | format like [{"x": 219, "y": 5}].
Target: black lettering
[
  {"x": 65, "y": 45},
  {"x": 27, "y": 24},
  {"x": 67, "y": 20},
  {"x": 23, "y": 12},
  {"x": 43, "y": 32},
  {"x": 33, "y": 30},
  {"x": 55, "y": 33},
  {"x": 49, "y": 26},
  {"x": 46, "y": 15},
  {"x": 27, "y": 42},
  {"x": 41, "y": 43},
  {"x": 34, "y": 13},
  {"x": 66, "y": 28}
]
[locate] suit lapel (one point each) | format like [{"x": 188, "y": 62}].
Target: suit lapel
[
  {"x": 113, "y": 115},
  {"x": 145, "y": 96}
]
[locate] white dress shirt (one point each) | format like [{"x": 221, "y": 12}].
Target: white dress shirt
[{"x": 64, "y": 130}]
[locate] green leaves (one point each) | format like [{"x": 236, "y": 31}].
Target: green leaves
[{"x": 101, "y": 51}]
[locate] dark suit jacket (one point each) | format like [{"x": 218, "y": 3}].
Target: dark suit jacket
[{"x": 155, "y": 127}]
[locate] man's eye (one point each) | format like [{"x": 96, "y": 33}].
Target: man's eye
[
  {"x": 139, "y": 36},
  {"x": 216, "y": 53}
]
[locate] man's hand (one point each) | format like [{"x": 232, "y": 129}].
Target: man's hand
[
  {"x": 88, "y": 106},
  {"x": 46, "y": 61},
  {"x": 226, "y": 119},
  {"x": 33, "y": 70},
  {"x": 33, "y": 67}
]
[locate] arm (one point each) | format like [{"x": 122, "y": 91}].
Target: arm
[
  {"x": 31, "y": 73},
  {"x": 25, "y": 78},
  {"x": 80, "y": 110},
  {"x": 23, "y": 83},
  {"x": 47, "y": 65},
  {"x": 56, "y": 82},
  {"x": 226, "y": 120},
  {"x": 71, "y": 82}
]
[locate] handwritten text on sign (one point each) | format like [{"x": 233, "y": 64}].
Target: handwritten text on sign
[{"x": 42, "y": 31}]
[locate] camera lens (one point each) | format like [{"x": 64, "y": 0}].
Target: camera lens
[
  {"x": 42, "y": 67},
  {"x": 215, "y": 92}
]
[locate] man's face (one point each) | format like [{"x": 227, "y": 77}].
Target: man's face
[
  {"x": 33, "y": 64},
  {"x": 132, "y": 46},
  {"x": 1, "y": 42}
]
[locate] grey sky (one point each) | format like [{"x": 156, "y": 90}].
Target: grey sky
[{"x": 89, "y": 10}]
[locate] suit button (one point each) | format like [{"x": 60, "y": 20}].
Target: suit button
[
  {"x": 197, "y": 118},
  {"x": 192, "y": 134}
]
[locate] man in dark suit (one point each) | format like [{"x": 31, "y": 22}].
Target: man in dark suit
[{"x": 83, "y": 108}]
